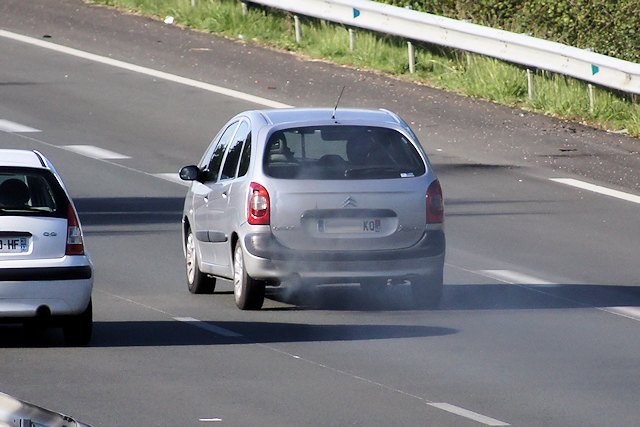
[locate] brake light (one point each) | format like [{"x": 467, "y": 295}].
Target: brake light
[
  {"x": 75, "y": 244},
  {"x": 259, "y": 212},
  {"x": 435, "y": 204}
]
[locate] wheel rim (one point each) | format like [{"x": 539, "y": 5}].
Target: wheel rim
[
  {"x": 238, "y": 274},
  {"x": 191, "y": 258}
]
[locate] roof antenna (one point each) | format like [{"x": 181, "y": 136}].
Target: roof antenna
[{"x": 333, "y": 116}]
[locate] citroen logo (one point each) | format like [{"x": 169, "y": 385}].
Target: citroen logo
[{"x": 350, "y": 202}]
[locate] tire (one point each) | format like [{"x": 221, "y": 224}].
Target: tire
[
  {"x": 248, "y": 292},
  {"x": 197, "y": 281},
  {"x": 427, "y": 291},
  {"x": 78, "y": 329}
]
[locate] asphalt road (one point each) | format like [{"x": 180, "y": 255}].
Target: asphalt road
[{"x": 540, "y": 320}]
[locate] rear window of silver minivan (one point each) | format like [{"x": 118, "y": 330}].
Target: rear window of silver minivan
[{"x": 341, "y": 152}]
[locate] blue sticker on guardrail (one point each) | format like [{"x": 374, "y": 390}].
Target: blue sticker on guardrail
[
  {"x": 356, "y": 13},
  {"x": 594, "y": 70}
]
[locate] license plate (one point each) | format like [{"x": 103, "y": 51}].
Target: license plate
[
  {"x": 10, "y": 245},
  {"x": 349, "y": 225}
]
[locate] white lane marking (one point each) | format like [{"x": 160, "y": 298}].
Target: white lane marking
[
  {"x": 598, "y": 189},
  {"x": 210, "y": 420},
  {"x": 11, "y": 127},
  {"x": 207, "y": 327},
  {"x": 125, "y": 167},
  {"x": 513, "y": 277},
  {"x": 173, "y": 177},
  {"x": 144, "y": 70},
  {"x": 226, "y": 332},
  {"x": 632, "y": 313},
  {"x": 469, "y": 414},
  {"x": 527, "y": 282},
  {"x": 95, "y": 152}
]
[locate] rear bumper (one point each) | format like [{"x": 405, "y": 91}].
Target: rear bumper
[
  {"x": 30, "y": 289},
  {"x": 265, "y": 258}
]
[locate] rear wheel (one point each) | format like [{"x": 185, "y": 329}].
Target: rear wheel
[
  {"x": 427, "y": 291},
  {"x": 248, "y": 292},
  {"x": 78, "y": 329},
  {"x": 197, "y": 281}
]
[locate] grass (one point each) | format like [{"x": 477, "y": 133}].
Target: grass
[{"x": 463, "y": 73}]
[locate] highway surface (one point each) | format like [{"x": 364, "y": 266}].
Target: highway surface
[{"x": 540, "y": 322}]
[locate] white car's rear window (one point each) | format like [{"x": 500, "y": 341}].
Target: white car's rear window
[{"x": 31, "y": 193}]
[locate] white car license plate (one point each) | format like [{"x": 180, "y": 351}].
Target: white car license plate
[
  {"x": 10, "y": 245},
  {"x": 349, "y": 225}
]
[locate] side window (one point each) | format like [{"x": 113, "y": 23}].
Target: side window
[
  {"x": 213, "y": 167},
  {"x": 246, "y": 156},
  {"x": 233, "y": 154}
]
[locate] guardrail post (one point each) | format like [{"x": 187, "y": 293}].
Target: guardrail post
[
  {"x": 530, "y": 83},
  {"x": 245, "y": 8},
  {"x": 296, "y": 23},
  {"x": 352, "y": 39},
  {"x": 591, "y": 98},
  {"x": 412, "y": 57},
  {"x": 193, "y": 3}
]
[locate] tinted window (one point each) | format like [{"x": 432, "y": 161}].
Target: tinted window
[
  {"x": 245, "y": 157},
  {"x": 213, "y": 166},
  {"x": 235, "y": 149},
  {"x": 341, "y": 152},
  {"x": 31, "y": 192}
]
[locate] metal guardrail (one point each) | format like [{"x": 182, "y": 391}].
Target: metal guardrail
[{"x": 519, "y": 49}]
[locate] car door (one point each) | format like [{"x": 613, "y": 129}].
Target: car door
[
  {"x": 223, "y": 213},
  {"x": 204, "y": 191}
]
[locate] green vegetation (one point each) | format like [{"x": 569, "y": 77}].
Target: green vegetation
[
  {"x": 609, "y": 27},
  {"x": 468, "y": 74}
]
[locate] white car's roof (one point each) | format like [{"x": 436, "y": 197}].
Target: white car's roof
[{"x": 21, "y": 158}]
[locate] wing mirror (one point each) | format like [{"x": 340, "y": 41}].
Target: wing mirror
[{"x": 190, "y": 173}]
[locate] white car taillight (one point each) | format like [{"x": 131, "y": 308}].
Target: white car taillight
[
  {"x": 435, "y": 204},
  {"x": 259, "y": 205},
  {"x": 75, "y": 244}
]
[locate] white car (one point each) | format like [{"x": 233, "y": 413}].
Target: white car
[{"x": 46, "y": 275}]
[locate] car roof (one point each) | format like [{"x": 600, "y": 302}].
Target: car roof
[
  {"x": 307, "y": 115},
  {"x": 22, "y": 158}
]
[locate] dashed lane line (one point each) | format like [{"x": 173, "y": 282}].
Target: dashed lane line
[
  {"x": 483, "y": 419},
  {"x": 514, "y": 277},
  {"x": 13, "y": 127},
  {"x": 598, "y": 189},
  {"x": 207, "y": 326},
  {"x": 173, "y": 177},
  {"x": 535, "y": 284},
  {"x": 96, "y": 152}
]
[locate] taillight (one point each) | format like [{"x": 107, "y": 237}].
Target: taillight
[
  {"x": 435, "y": 204},
  {"x": 75, "y": 245},
  {"x": 259, "y": 212}
]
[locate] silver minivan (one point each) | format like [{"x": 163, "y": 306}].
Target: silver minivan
[{"x": 314, "y": 196}]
